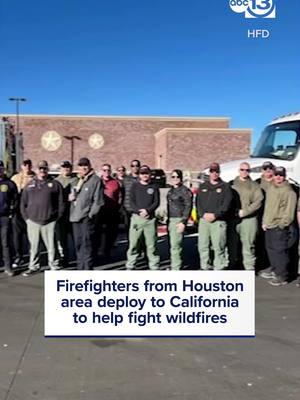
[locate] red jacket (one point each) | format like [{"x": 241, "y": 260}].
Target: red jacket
[{"x": 112, "y": 194}]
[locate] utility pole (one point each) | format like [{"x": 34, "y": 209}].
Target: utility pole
[{"x": 19, "y": 141}]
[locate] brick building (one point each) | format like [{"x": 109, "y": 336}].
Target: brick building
[{"x": 190, "y": 143}]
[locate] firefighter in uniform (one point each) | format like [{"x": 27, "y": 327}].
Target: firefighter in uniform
[
  {"x": 243, "y": 225},
  {"x": 179, "y": 203},
  {"x": 144, "y": 200},
  {"x": 8, "y": 202},
  {"x": 86, "y": 199},
  {"x": 19, "y": 230},
  {"x": 65, "y": 239},
  {"x": 42, "y": 205},
  {"x": 128, "y": 181},
  {"x": 278, "y": 223},
  {"x": 265, "y": 181},
  {"x": 213, "y": 203},
  {"x": 110, "y": 212}
]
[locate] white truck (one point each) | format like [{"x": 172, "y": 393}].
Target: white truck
[{"x": 278, "y": 143}]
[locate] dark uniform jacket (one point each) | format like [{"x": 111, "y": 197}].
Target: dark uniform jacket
[
  {"x": 179, "y": 202},
  {"x": 8, "y": 197},
  {"x": 144, "y": 197},
  {"x": 214, "y": 199},
  {"x": 42, "y": 201},
  {"x": 128, "y": 181}
]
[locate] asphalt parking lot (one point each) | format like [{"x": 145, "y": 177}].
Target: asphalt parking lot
[{"x": 32, "y": 367}]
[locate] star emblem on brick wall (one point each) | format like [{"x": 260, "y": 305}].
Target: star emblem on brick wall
[
  {"x": 96, "y": 141},
  {"x": 51, "y": 141}
]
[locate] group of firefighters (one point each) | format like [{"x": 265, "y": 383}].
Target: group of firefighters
[{"x": 243, "y": 222}]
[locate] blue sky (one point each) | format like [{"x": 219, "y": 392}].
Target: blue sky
[{"x": 149, "y": 58}]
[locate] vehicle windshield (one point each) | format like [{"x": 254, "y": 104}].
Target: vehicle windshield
[{"x": 279, "y": 141}]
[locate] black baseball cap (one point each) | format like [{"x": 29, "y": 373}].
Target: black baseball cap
[
  {"x": 145, "y": 169},
  {"x": 43, "y": 164},
  {"x": 280, "y": 171},
  {"x": 268, "y": 165},
  {"x": 215, "y": 167},
  {"x": 84, "y": 162},
  {"x": 66, "y": 164}
]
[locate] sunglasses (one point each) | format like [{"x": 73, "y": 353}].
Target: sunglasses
[
  {"x": 121, "y": 170},
  {"x": 279, "y": 174},
  {"x": 144, "y": 173},
  {"x": 175, "y": 177},
  {"x": 214, "y": 170},
  {"x": 244, "y": 169}
]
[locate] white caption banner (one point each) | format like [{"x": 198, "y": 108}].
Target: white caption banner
[{"x": 149, "y": 303}]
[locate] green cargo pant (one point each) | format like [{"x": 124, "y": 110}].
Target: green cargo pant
[
  {"x": 243, "y": 232},
  {"x": 213, "y": 233},
  {"x": 140, "y": 226},
  {"x": 35, "y": 233},
  {"x": 176, "y": 244}
]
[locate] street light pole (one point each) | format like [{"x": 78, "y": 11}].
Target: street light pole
[
  {"x": 72, "y": 140},
  {"x": 17, "y": 100}
]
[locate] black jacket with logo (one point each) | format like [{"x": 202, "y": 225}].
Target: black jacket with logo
[
  {"x": 214, "y": 199},
  {"x": 42, "y": 201},
  {"x": 179, "y": 203},
  {"x": 8, "y": 196},
  {"x": 144, "y": 197}
]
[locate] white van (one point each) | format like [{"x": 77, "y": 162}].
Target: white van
[{"x": 278, "y": 143}]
